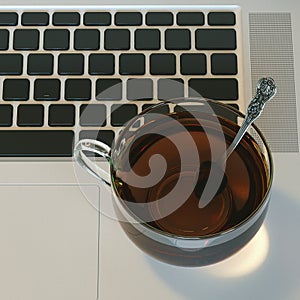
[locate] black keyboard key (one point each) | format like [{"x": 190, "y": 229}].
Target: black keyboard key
[
  {"x": 40, "y": 64},
  {"x": 132, "y": 64},
  {"x": 6, "y": 114},
  {"x": 78, "y": 89},
  {"x": 16, "y": 89},
  {"x": 221, "y": 18},
  {"x": 215, "y": 39},
  {"x": 139, "y": 89},
  {"x": 8, "y": 18},
  {"x": 212, "y": 88},
  {"x": 188, "y": 108},
  {"x": 35, "y": 19},
  {"x": 86, "y": 39},
  {"x": 97, "y": 19},
  {"x": 223, "y": 64},
  {"x": 177, "y": 39},
  {"x": 158, "y": 109},
  {"x": 128, "y": 18},
  {"x": 121, "y": 114},
  {"x": 26, "y": 39},
  {"x": 70, "y": 64},
  {"x": 109, "y": 89},
  {"x": 234, "y": 106},
  {"x": 147, "y": 39},
  {"x": 102, "y": 64},
  {"x": 224, "y": 112},
  {"x": 66, "y": 19},
  {"x": 190, "y": 19},
  {"x": 11, "y": 64},
  {"x": 47, "y": 89},
  {"x": 170, "y": 88},
  {"x": 159, "y": 18},
  {"x": 30, "y": 115},
  {"x": 105, "y": 136},
  {"x": 117, "y": 39},
  {"x": 30, "y": 143},
  {"x": 61, "y": 115},
  {"x": 218, "y": 109},
  {"x": 4, "y": 37},
  {"x": 93, "y": 115},
  {"x": 162, "y": 64},
  {"x": 193, "y": 64},
  {"x": 56, "y": 39}
]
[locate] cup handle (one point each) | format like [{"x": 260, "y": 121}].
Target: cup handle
[{"x": 96, "y": 147}]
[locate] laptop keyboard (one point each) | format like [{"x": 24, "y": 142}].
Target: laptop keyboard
[{"x": 67, "y": 75}]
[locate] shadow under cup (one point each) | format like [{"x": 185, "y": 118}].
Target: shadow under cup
[{"x": 187, "y": 235}]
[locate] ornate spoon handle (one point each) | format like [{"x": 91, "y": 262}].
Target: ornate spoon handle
[{"x": 265, "y": 91}]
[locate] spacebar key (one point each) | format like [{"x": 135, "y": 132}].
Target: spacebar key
[{"x": 36, "y": 143}]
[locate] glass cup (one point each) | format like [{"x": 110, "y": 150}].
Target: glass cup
[{"x": 173, "y": 197}]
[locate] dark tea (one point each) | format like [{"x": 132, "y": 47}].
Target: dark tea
[{"x": 244, "y": 187}]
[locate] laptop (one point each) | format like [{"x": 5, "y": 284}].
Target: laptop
[{"x": 82, "y": 70}]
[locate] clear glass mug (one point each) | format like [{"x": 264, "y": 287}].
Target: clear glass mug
[{"x": 166, "y": 194}]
